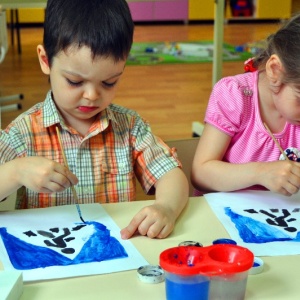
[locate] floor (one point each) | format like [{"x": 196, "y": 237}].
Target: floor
[{"x": 170, "y": 97}]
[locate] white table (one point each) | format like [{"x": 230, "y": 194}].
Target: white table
[
  {"x": 278, "y": 281},
  {"x": 14, "y": 5}
]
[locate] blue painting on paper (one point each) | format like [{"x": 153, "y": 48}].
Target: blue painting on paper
[
  {"x": 59, "y": 246},
  {"x": 266, "y": 225}
]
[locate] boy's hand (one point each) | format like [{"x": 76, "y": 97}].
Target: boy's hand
[
  {"x": 43, "y": 175},
  {"x": 155, "y": 221},
  {"x": 158, "y": 220}
]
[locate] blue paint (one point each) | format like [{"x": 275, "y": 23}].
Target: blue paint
[
  {"x": 252, "y": 231},
  {"x": 100, "y": 247},
  {"x": 187, "y": 291}
]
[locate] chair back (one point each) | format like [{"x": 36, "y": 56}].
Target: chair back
[
  {"x": 3, "y": 35},
  {"x": 9, "y": 203},
  {"x": 186, "y": 149}
]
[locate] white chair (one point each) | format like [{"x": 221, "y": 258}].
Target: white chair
[
  {"x": 3, "y": 35},
  {"x": 9, "y": 203},
  {"x": 3, "y": 51}
]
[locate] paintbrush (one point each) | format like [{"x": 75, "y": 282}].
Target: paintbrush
[
  {"x": 72, "y": 186},
  {"x": 276, "y": 142}
]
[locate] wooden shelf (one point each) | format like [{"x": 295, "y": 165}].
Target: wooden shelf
[
  {"x": 191, "y": 10},
  {"x": 263, "y": 10}
]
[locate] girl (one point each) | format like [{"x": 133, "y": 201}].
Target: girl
[{"x": 236, "y": 151}]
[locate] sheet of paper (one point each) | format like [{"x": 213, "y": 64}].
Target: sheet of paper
[
  {"x": 51, "y": 243},
  {"x": 266, "y": 223}
]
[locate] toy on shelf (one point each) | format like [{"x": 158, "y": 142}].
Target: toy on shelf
[
  {"x": 188, "y": 49},
  {"x": 241, "y": 8},
  {"x": 253, "y": 47},
  {"x": 172, "y": 49}
]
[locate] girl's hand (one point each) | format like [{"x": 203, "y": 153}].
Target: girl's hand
[{"x": 281, "y": 177}]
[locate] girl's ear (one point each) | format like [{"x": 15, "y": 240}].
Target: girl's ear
[
  {"x": 43, "y": 59},
  {"x": 274, "y": 71}
]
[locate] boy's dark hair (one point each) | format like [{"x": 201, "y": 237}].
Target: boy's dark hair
[
  {"x": 286, "y": 44},
  {"x": 105, "y": 26}
]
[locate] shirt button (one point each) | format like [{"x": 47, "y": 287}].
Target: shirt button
[
  {"x": 122, "y": 165},
  {"x": 86, "y": 190}
]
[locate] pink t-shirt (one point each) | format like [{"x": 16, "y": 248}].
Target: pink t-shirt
[{"x": 234, "y": 109}]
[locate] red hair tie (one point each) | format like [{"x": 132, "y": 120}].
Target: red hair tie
[{"x": 249, "y": 65}]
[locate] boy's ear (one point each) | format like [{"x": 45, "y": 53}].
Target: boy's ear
[
  {"x": 43, "y": 59},
  {"x": 274, "y": 70}
]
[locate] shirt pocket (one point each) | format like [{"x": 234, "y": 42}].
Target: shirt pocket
[
  {"x": 121, "y": 166},
  {"x": 118, "y": 179}
]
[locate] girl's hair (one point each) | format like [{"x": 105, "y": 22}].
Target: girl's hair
[
  {"x": 286, "y": 44},
  {"x": 105, "y": 26}
]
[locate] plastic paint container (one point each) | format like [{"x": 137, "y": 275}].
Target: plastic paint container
[
  {"x": 183, "y": 278},
  {"x": 234, "y": 265},
  {"x": 200, "y": 273},
  {"x": 229, "y": 286},
  {"x": 186, "y": 287}
]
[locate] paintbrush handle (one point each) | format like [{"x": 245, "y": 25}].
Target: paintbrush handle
[
  {"x": 276, "y": 142},
  {"x": 61, "y": 148},
  {"x": 66, "y": 164},
  {"x": 74, "y": 193}
]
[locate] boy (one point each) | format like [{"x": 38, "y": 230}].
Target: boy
[{"x": 86, "y": 44}]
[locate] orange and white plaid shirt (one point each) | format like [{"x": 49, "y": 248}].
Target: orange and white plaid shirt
[{"x": 118, "y": 148}]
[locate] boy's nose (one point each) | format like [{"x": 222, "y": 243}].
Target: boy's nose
[{"x": 91, "y": 94}]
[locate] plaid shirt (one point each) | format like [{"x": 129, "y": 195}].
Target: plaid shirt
[{"x": 118, "y": 148}]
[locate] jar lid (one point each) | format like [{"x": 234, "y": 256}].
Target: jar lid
[
  {"x": 224, "y": 241},
  {"x": 258, "y": 266},
  {"x": 190, "y": 243},
  {"x": 151, "y": 274}
]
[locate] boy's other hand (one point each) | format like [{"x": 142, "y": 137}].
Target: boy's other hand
[{"x": 155, "y": 221}]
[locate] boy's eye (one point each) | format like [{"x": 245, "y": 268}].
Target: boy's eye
[
  {"x": 109, "y": 85},
  {"x": 73, "y": 83}
]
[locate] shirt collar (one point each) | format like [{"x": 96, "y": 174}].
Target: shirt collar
[
  {"x": 105, "y": 117},
  {"x": 52, "y": 116}
]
